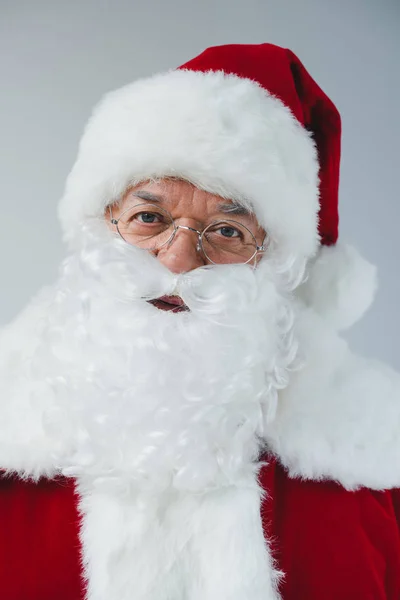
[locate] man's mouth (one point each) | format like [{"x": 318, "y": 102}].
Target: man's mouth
[{"x": 170, "y": 303}]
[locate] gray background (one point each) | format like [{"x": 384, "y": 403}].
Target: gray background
[{"x": 57, "y": 58}]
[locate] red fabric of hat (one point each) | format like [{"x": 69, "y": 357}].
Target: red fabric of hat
[{"x": 281, "y": 73}]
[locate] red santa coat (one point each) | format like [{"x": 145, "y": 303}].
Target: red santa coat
[{"x": 330, "y": 543}]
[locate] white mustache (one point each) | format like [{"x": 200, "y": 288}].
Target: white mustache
[{"x": 132, "y": 274}]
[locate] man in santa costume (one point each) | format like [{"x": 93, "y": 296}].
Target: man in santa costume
[{"x": 179, "y": 417}]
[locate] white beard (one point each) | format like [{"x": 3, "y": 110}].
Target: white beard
[
  {"x": 163, "y": 414},
  {"x": 158, "y": 398}
]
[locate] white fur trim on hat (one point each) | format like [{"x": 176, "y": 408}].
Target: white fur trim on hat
[
  {"x": 225, "y": 134},
  {"x": 341, "y": 285}
]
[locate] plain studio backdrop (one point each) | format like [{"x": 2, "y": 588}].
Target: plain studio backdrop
[{"x": 57, "y": 59}]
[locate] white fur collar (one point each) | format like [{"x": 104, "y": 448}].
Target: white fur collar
[{"x": 339, "y": 419}]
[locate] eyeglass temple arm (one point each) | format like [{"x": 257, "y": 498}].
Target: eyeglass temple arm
[
  {"x": 112, "y": 220},
  {"x": 263, "y": 247}
]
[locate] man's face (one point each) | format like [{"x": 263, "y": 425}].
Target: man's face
[{"x": 189, "y": 207}]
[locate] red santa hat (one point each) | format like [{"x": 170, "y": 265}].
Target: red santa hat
[{"x": 246, "y": 122}]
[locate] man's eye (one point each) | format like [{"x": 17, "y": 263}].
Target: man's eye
[
  {"x": 147, "y": 217},
  {"x": 229, "y": 232}
]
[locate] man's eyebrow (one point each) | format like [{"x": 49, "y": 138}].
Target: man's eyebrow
[
  {"x": 233, "y": 208},
  {"x": 149, "y": 196},
  {"x": 229, "y": 208}
]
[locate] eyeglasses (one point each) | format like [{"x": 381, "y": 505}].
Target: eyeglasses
[{"x": 151, "y": 227}]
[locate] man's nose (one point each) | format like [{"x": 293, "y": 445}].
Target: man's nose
[{"x": 182, "y": 254}]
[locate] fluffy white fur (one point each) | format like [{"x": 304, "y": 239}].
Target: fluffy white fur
[
  {"x": 339, "y": 418},
  {"x": 223, "y": 133},
  {"x": 24, "y": 444},
  {"x": 340, "y": 286},
  {"x": 178, "y": 546},
  {"x": 159, "y": 416},
  {"x": 99, "y": 385}
]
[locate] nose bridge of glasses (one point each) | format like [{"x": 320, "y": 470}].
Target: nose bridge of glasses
[{"x": 186, "y": 228}]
